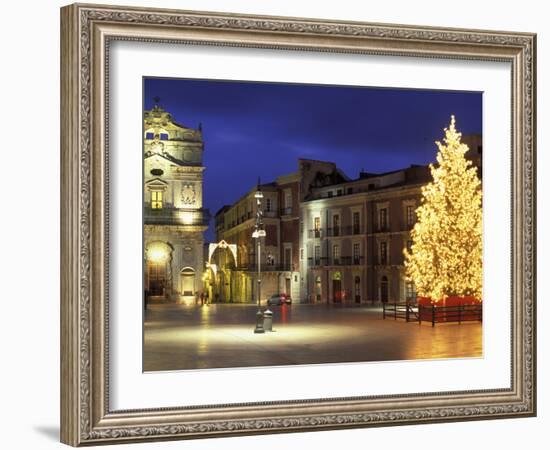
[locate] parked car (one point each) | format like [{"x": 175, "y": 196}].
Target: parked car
[{"x": 279, "y": 299}]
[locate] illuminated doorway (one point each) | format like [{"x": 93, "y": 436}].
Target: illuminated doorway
[
  {"x": 158, "y": 281},
  {"x": 187, "y": 280},
  {"x": 157, "y": 278}
]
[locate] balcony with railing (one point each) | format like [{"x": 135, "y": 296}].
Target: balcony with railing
[
  {"x": 347, "y": 261},
  {"x": 384, "y": 228},
  {"x": 315, "y": 233},
  {"x": 316, "y": 261},
  {"x": 382, "y": 261},
  {"x": 344, "y": 231},
  {"x": 336, "y": 261},
  {"x": 266, "y": 267}
]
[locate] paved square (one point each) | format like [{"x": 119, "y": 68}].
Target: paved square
[{"x": 221, "y": 335}]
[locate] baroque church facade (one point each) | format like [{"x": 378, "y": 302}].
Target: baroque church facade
[{"x": 174, "y": 217}]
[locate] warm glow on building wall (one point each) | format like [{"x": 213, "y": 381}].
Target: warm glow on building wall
[
  {"x": 189, "y": 217},
  {"x": 156, "y": 253},
  {"x": 446, "y": 254}
]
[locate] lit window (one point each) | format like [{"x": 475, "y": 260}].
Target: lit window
[
  {"x": 156, "y": 199},
  {"x": 317, "y": 227},
  {"x": 317, "y": 223}
]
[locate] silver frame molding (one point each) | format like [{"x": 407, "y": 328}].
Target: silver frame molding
[{"x": 86, "y": 32}]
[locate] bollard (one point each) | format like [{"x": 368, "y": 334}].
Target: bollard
[
  {"x": 259, "y": 322},
  {"x": 268, "y": 320}
]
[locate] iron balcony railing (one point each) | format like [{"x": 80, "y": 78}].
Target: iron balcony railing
[
  {"x": 315, "y": 233},
  {"x": 313, "y": 262},
  {"x": 266, "y": 267},
  {"x": 344, "y": 231},
  {"x": 339, "y": 261}
]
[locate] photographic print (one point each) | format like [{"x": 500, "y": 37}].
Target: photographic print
[{"x": 289, "y": 224}]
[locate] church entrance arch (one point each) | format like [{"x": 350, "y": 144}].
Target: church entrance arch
[
  {"x": 158, "y": 258},
  {"x": 222, "y": 261}
]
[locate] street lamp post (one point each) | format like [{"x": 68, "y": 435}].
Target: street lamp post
[{"x": 258, "y": 233}]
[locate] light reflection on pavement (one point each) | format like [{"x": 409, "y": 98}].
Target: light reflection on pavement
[{"x": 198, "y": 337}]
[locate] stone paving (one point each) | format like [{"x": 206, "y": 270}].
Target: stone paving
[{"x": 221, "y": 335}]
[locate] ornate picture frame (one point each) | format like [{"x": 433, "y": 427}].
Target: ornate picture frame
[{"x": 87, "y": 32}]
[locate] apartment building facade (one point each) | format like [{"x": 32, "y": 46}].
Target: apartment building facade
[{"x": 280, "y": 249}]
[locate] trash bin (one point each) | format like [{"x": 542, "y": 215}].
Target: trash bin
[{"x": 268, "y": 320}]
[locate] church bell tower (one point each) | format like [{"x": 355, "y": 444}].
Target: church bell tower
[{"x": 174, "y": 217}]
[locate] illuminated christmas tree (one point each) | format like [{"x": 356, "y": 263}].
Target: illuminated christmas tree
[{"x": 446, "y": 254}]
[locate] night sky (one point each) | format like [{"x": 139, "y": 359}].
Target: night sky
[{"x": 255, "y": 129}]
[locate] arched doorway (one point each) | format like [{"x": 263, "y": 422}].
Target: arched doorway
[
  {"x": 337, "y": 287},
  {"x": 357, "y": 289},
  {"x": 187, "y": 282},
  {"x": 224, "y": 257},
  {"x": 158, "y": 276},
  {"x": 384, "y": 289}
]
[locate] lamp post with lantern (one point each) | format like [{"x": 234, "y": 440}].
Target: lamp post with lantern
[{"x": 259, "y": 233}]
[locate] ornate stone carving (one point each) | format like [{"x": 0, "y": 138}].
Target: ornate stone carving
[
  {"x": 188, "y": 195},
  {"x": 157, "y": 146}
]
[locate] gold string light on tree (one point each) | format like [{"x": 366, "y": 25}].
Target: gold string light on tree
[{"x": 446, "y": 254}]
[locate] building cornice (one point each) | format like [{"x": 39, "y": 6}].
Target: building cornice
[{"x": 365, "y": 196}]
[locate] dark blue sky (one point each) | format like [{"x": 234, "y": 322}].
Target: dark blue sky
[{"x": 255, "y": 129}]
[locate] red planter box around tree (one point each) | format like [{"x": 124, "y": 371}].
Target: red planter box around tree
[{"x": 425, "y": 308}]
